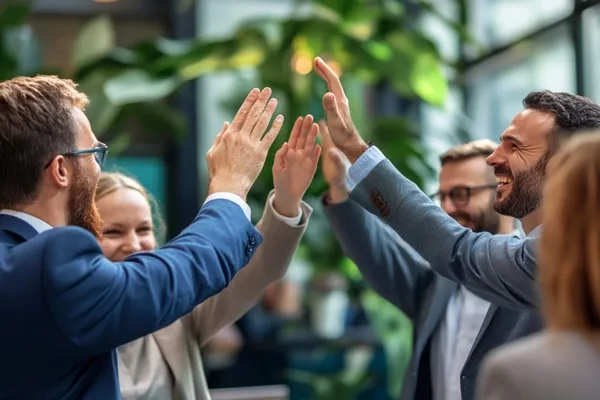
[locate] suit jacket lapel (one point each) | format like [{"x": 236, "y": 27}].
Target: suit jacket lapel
[
  {"x": 444, "y": 289},
  {"x": 486, "y": 322},
  {"x": 173, "y": 344}
]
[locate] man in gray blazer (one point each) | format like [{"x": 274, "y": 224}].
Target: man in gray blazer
[
  {"x": 453, "y": 328},
  {"x": 499, "y": 268}
]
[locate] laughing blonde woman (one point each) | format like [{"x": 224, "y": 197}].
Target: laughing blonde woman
[{"x": 167, "y": 364}]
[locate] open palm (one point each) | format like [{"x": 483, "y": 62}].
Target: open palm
[{"x": 296, "y": 163}]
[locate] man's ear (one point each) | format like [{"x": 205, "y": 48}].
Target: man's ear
[{"x": 59, "y": 172}]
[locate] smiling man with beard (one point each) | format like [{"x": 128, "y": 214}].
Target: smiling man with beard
[
  {"x": 498, "y": 268},
  {"x": 64, "y": 308},
  {"x": 453, "y": 329}
]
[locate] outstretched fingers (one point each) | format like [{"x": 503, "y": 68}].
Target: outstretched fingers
[
  {"x": 271, "y": 135},
  {"x": 244, "y": 110},
  {"x": 325, "y": 136},
  {"x": 304, "y": 131},
  {"x": 316, "y": 153},
  {"x": 311, "y": 140},
  {"x": 264, "y": 119},
  {"x": 333, "y": 80},
  {"x": 262, "y": 109},
  {"x": 295, "y": 132}
]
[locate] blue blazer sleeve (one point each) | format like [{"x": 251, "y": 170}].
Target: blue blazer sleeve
[
  {"x": 100, "y": 305},
  {"x": 498, "y": 268}
]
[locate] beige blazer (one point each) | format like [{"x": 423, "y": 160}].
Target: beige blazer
[
  {"x": 545, "y": 366},
  {"x": 171, "y": 356}
]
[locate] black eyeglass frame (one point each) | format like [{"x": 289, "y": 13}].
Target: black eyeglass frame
[
  {"x": 467, "y": 190},
  {"x": 100, "y": 153}
]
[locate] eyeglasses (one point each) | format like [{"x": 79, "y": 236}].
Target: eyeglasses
[
  {"x": 460, "y": 195},
  {"x": 100, "y": 153}
]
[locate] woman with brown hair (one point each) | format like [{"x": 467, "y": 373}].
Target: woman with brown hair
[
  {"x": 167, "y": 364},
  {"x": 564, "y": 361}
]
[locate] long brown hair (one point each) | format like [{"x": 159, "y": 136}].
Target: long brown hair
[
  {"x": 112, "y": 181},
  {"x": 569, "y": 252}
]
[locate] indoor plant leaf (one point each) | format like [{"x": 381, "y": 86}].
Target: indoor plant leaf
[
  {"x": 95, "y": 40},
  {"x": 14, "y": 13},
  {"x": 428, "y": 80},
  {"x": 101, "y": 111},
  {"x": 134, "y": 86}
]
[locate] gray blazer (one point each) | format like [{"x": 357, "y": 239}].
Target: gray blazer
[
  {"x": 172, "y": 354},
  {"x": 547, "y": 366},
  {"x": 400, "y": 275},
  {"x": 498, "y": 268}
]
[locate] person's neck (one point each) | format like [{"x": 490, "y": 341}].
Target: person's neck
[
  {"x": 46, "y": 212},
  {"x": 506, "y": 225},
  {"x": 531, "y": 221}
]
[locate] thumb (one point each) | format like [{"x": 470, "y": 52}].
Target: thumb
[
  {"x": 337, "y": 157},
  {"x": 325, "y": 136},
  {"x": 220, "y": 134},
  {"x": 279, "y": 161}
]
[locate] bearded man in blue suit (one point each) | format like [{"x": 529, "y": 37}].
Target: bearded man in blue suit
[{"x": 64, "y": 308}]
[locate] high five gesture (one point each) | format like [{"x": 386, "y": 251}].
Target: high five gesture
[{"x": 239, "y": 151}]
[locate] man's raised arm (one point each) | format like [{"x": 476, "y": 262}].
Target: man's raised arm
[{"x": 499, "y": 268}]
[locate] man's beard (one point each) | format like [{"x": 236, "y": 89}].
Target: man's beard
[
  {"x": 526, "y": 193},
  {"x": 484, "y": 221},
  {"x": 82, "y": 206}
]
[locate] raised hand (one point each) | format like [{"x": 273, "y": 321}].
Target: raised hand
[
  {"x": 333, "y": 166},
  {"x": 295, "y": 165},
  {"x": 343, "y": 133},
  {"x": 239, "y": 151}
]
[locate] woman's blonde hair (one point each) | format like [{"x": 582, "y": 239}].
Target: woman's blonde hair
[
  {"x": 569, "y": 250},
  {"x": 112, "y": 181}
]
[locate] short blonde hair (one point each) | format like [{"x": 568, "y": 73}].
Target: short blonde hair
[
  {"x": 476, "y": 148},
  {"x": 569, "y": 253},
  {"x": 111, "y": 181},
  {"x": 36, "y": 125}
]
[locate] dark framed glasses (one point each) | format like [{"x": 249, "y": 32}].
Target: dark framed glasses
[
  {"x": 100, "y": 153},
  {"x": 460, "y": 195}
]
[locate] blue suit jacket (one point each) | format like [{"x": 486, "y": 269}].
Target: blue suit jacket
[{"x": 64, "y": 308}]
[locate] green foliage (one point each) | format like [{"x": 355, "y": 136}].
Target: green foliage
[
  {"x": 395, "y": 332},
  {"x": 19, "y": 50},
  {"x": 344, "y": 385},
  {"x": 369, "y": 41}
]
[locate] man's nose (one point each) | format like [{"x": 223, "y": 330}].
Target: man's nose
[{"x": 496, "y": 158}]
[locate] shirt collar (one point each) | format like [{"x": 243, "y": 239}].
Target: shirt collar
[{"x": 36, "y": 223}]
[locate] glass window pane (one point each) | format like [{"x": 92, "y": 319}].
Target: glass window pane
[
  {"x": 497, "y": 22},
  {"x": 591, "y": 44},
  {"x": 497, "y": 87},
  {"x": 440, "y": 128},
  {"x": 443, "y": 35}
]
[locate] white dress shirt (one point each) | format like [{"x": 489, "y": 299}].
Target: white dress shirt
[
  {"x": 453, "y": 340},
  {"x": 36, "y": 223}
]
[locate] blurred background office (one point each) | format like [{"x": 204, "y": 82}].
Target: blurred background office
[{"x": 421, "y": 75}]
